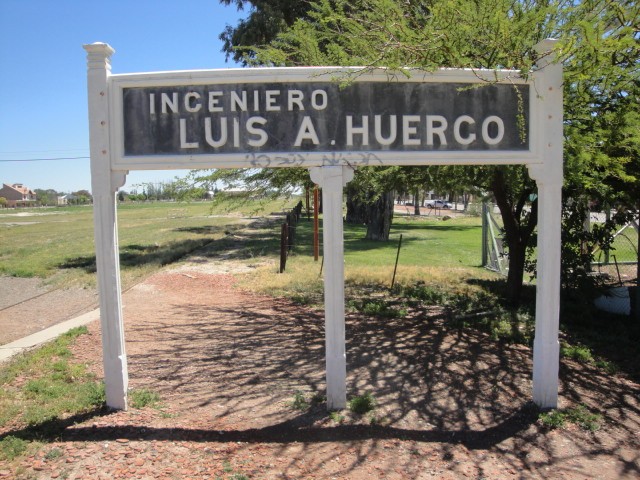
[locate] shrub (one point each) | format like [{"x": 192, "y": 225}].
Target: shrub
[
  {"x": 581, "y": 416},
  {"x": 12, "y": 447},
  {"x": 553, "y": 419},
  {"x": 579, "y": 353},
  {"x": 578, "y": 415},
  {"x": 144, "y": 397},
  {"x": 377, "y": 307},
  {"x": 362, "y": 404},
  {"x": 299, "y": 402},
  {"x": 336, "y": 416}
]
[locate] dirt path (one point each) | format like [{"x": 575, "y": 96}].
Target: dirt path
[{"x": 450, "y": 403}]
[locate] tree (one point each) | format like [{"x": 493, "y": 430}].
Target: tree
[
  {"x": 410, "y": 34},
  {"x": 48, "y": 197},
  {"x": 370, "y": 200},
  {"x": 598, "y": 46},
  {"x": 82, "y": 197},
  {"x": 267, "y": 19},
  {"x": 605, "y": 174}
]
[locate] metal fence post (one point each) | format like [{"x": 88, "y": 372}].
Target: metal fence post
[
  {"x": 283, "y": 247},
  {"x": 485, "y": 238}
]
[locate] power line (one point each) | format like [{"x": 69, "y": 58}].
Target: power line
[
  {"x": 52, "y": 159},
  {"x": 47, "y": 151}
]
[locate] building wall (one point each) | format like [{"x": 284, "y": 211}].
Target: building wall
[{"x": 17, "y": 196}]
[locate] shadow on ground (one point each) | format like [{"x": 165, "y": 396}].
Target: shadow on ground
[
  {"x": 247, "y": 241},
  {"x": 227, "y": 364}
]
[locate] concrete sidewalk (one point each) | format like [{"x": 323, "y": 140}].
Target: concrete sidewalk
[{"x": 10, "y": 349}]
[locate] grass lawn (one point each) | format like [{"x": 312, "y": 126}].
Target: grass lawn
[
  {"x": 625, "y": 246},
  {"x": 434, "y": 251},
  {"x": 57, "y": 243},
  {"x": 425, "y": 242},
  {"x": 55, "y": 384},
  {"x": 428, "y": 244}
]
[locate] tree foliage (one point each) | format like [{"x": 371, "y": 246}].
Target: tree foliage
[
  {"x": 598, "y": 46},
  {"x": 266, "y": 19},
  {"x": 47, "y": 197}
]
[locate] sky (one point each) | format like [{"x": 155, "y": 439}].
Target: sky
[{"x": 43, "y": 92}]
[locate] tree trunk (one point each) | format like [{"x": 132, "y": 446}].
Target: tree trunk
[
  {"x": 416, "y": 203},
  {"x": 638, "y": 271},
  {"x": 356, "y": 209},
  {"x": 380, "y": 215},
  {"x": 515, "y": 276},
  {"x": 518, "y": 228}
]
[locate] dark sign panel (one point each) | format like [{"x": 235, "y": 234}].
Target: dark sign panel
[{"x": 324, "y": 117}]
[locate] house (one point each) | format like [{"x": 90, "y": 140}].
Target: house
[{"x": 18, "y": 195}]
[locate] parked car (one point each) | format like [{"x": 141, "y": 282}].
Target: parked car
[{"x": 438, "y": 204}]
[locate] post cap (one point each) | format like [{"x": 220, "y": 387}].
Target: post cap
[
  {"x": 544, "y": 49},
  {"x": 99, "y": 48}
]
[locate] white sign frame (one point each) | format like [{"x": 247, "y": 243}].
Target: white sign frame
[
  {"x": 109, "y": 167},
  {"x": 310, "y": 75}
]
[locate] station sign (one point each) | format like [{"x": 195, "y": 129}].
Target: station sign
[
  {"x": 324, "y": 117},
  {"x": 315, "y": 116}
]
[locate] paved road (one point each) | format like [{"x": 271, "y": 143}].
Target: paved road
[{"x": 28, "y": 306}]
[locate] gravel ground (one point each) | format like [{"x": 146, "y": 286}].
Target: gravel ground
[{"x": 227, "y": 364}]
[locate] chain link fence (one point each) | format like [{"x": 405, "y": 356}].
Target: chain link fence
[
  {"x": 494, "y": 256},
  {"x": 616, "y": 265}
]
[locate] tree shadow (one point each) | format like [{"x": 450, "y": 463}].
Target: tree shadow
[
  {"x": 206, "y": 229},
  {"x": 498, "y": 288},
  {"x": 433, "y": 381},
  {"x": 230, "y": 363},
  {"x": 137, "y": 255},
  {"x": 301, "y": 428},
  {"x": 254, "y": 239},
  {"x": 613, "y": 340},
  {"x": 444, "y": 226},
  {"x": 609, "y": 337}
]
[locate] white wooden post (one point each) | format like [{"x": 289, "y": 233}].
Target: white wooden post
[
  {"x": 548, "y": 176},
  {"x": 104, "y": 184},
  {"x": 332, "y": 179}
]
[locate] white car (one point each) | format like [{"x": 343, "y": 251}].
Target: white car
[{"x": 438, "y": 204}]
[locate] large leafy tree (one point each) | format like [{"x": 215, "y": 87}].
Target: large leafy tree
[{"x": 598, "y": 47}]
